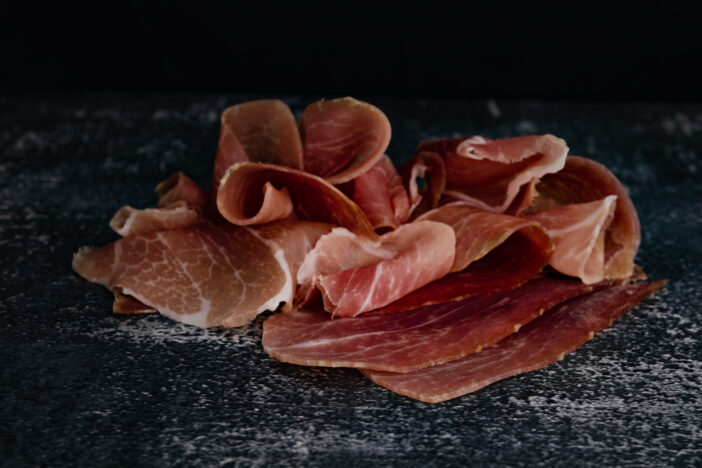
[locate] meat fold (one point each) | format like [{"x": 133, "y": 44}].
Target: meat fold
[
  {"x": 128, "y": 220},
  {"x": 356, "y": 275},
  {"x": 429, "y": 167},
  {"x": 382, "y": 197},
  {"x": 494, "y": 252},
  {"x": 489, "y": 173},
  {"x": 578, "y": 233},
  {"x": 414, "y": 339},
  {"x": 541, "y": 342},
  {"x": 180, "y": 188},
  {"x": 343, "y": 138},
  {"x": 259, "y": 131},
  {"x": 583, "y": 180},
  {"x": 205, "y": 275},
  {"x": 255, "y": 193}
]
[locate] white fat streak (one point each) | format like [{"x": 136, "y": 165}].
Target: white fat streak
[
  {"x": 592, "y": 219},
  {"x": 285, "y": 294}
]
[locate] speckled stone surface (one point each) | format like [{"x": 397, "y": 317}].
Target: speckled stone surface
[{"x": 79, "y": 386}]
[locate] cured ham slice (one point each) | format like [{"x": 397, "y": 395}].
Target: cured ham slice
[
  {"x": 128, "y": 221},
  {"x": 356, "y": 275},
  {"x": 430, "y": 168},
  {"x": 254, "y": 193},
  {"x": 380, "y": 194},
  {"x": 411, "y": 340},
  {"x": 259, "y": 131},
  {"x": 343, "y": 138},
  {"x": 180, "y": 188},
  {"x": 127, "y": 305},
  {"x": 584, "y": 180},
  {"x": 489, "y": 173},
  {"x": 204, "y": 275},
  {"x": 543, "y": 341},
  {"x": 494, "y": 252},
  {"x": 578, "y": 233}
]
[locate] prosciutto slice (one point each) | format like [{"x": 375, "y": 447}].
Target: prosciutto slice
[
  {"x": 127, "y": 305},
  {"x": 382, "y": 197},
  {"x": 128, "y": 221},
  {"x": 430, "y": 168},
  {"x": 578, "y": 232},
  {"x": 205, "y": 275},
  {"x": 489, "y": 173},
  {"x": 343, "y": 138},
  {"x": 254, "y": 193},
  {"x": 356, "y": 275},
  {"x": 583, "y": 180},
  {"x": 259, "y": 131},
  {"x": 543, "y": 341},
  {"x": 180, "y": 188},
  {"x": 411, "y": 340},
  {"x": 494, "y": 252}
]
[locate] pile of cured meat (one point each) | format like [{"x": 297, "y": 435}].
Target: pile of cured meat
[{"x": 476, "y": 260}]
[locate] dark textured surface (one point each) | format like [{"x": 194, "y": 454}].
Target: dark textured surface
[{"x": 81, "y": 386}]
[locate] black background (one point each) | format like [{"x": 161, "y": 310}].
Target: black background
[{"x": 553, "y": 50}]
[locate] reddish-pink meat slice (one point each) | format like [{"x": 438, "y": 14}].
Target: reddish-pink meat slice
[
  {"x": 430, "y": 168},
  {"x": 203, "y": 275},
  {"x": 380, "y": 194},
  {"x": 494, "y": 252},
  {"x": 584, "y": 180},
  {"x": 415, "y": 339},
  {"x": 356, "y": 275},
  {"x": 259, "y": 131},
  {"x": 127, "y": 305},
  {"x": 129, "y": 221},
  {"x": 543, "y": 341},
  {"x": 578, "y": 233},
  {"x": 343, "y": 138},
  {"x": 179, "y": 187},
  {"x": 258, "y": 193},
  {"x": 490, "y": 173}
]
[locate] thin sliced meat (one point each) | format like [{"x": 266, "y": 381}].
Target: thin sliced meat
[
  {"x": 204, "y": 275},
  {"x": 430, "y": 168},
  {"x": 543, "y": 341},
  {"x": 127, "y": 305},
  {"x": 412, "y": 340},
  {"x": 259, "y": 131},
  {"x": 524, "y": 199},
  {"x": 494, "y": 252},
  {"x": 243, "y": 198},
  {"x": 380, "y": 194},
  {"x": 179, "y": 187},
  {"x": 489, "y": 173},
  {"x": 578, "y": 233},
  {"x": 130, "y": 221},
  {"x": 356, "y": 275},
  {"x": 343, "y": 138},
  {"x": 584, "y": 180}
]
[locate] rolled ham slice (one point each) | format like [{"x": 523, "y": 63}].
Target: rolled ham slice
[
  {"x": 382, "y": 197},
  {"x": 255, "y": 193},
  {"x": 259, "y": 131},
  {"x": 343, "y": 138},
  {"x": 541, "y": 342},
  {"x": 583, "y": 180},
  {"x": 415, "y": 339},
  {"x": 356, "y": 275},
  {"x": 490, "y": 173}
]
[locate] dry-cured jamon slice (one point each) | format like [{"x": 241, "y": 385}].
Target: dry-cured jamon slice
[
  {"x": 430, "y": 168},
  {"x": 541, "y": 342},
  {"x": 179, "y": 187},
  {"x": 382, "y": 197},
  {"x": 129, "y": 221}
]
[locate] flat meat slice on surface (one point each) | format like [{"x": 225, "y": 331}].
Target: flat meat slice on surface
[
  {"x": 356, "y": 275},
  {"x": 258, "y": 131},
  {"x": 204, "y": 275},
  {"x": 382, "y": 197},
  {"x": 255, "y": 193},
  {"x": 494, "y": 252},
  {"x": 343, "y": 138},
  {"x": 428, "y": 167},
  {"x": 415, "y": 339},
  {"x": 179, "y": 187},
  {"x": 489, "y": 173},
  {"x": 543, "y": 341},
  {"x": 578, "y": 233},
  {"x": 129, "y": 221},
  {"x": 583, "y": 180}
]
